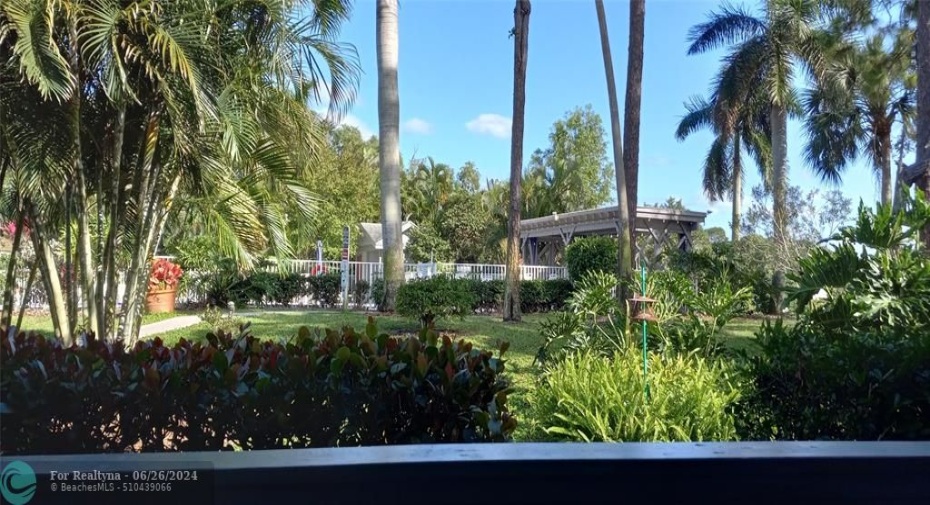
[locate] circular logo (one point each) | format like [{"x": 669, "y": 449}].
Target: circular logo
[{"x": 17, "y": 483}]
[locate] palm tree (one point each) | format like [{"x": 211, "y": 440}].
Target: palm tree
[
  {"x": 184, "y": 98},
  {"x": 856, "y": 116},
  {"x": 427, "y": 186},
  {"x": 625, "y": 234},
  {"x": 762, "y": 59},
  {"x": 389, "y": 150},
  {"x": 521, "y": 34},
  {"x": 723, "y": 166}
]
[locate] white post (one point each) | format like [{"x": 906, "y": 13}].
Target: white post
[{"x": 345, "y": 268}]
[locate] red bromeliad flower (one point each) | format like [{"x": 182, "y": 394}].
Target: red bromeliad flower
[{"x": 164, "y": 275}]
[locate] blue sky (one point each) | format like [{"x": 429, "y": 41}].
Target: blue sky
[{"x": 456, "y": 71}]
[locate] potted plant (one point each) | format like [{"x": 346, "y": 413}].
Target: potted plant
[{"x": 163, "y": 286}]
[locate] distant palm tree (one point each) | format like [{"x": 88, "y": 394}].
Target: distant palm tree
[
  {"x": 521, "y": 34},
  {"x": 723, "y": 166},
  {"x": 763, "y": 58},
  {"x": 429, "y": 186},
  {"x": 855, "y": 117},
  {"x": 389, "y": 143}
]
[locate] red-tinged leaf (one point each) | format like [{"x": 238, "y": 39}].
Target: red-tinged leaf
[
  {"x": 450, "y": 372},
  {"x": 422, "y": 364},
  {"x": 152, "y": 377}
]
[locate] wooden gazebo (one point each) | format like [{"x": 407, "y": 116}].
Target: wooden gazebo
[{"x": 543, "y": 238}]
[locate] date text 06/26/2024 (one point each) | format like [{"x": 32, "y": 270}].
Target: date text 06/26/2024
[{"x": 71, "y": 482}]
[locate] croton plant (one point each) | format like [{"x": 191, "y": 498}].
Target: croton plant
[{"x": 164, "y": 275}]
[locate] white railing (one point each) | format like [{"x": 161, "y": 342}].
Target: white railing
[{"x": 195, "y": 287}]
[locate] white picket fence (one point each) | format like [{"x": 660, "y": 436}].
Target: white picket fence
[{"x": 194, "y": 291}]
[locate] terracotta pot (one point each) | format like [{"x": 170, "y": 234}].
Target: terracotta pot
[{"x": 159, "y": 301}]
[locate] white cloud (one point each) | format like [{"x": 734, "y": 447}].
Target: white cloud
[
  {"x": 417, "y": 125},
  {"x": 490, "y": 124},
  {"x": 322, "y": 107},
  {"x": 657, "y": 161},
  {"x": 352, "y": 120}
]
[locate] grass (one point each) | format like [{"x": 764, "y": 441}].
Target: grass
[{"x": 43, "y": 323}]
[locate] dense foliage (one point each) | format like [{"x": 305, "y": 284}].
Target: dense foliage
[
  {"x": 591, "y": 254},
  {"x": 593, "y": 398},
  {"x": 323, "y": 389},
  {"x": 444, "y": 296},
  {"x": 227, "y": 284},
  {"x": 436, "y": 297},
  {"x": 856, "y": 366},
  {"x": 686, "y": 320}
]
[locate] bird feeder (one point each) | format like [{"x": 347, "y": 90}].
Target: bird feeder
[{"x": 642, "y": 309}]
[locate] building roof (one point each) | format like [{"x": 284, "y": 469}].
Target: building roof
[
  {"x": 603, "y": 221},
  {"x": 371, "y": 233}
]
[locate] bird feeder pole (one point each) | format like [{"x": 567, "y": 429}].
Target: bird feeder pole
[{"x": 642, "y": 270}]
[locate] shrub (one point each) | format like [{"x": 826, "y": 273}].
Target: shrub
[
  {"x": 544, "y": 296},
  {"x": 857, "y": 365},
  {"x": 259, "y": 287},
  {"x": 289, "y": 287},
  {"x": 225, "y": 285},
  {"x": 360, "y": 292},
  {"x": 685, "y": 321},
  {"x": 592, "y": 398},
  {"x": 436, "y": 297},
  {"x": 489, "y": 295},
  {"x": 324, "y": 389},
  {"x": 861, "y": 386},
  {"x": 220, "y": 321},
  {"x": 325, "y": 288},
  {"x": 377, "y": 293},
  {"x": 591, "y": 254}
]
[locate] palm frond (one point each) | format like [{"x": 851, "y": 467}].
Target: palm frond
[
  {"x": 700, "y": 115},
  {"x": 34, "y": 25},
  {"x": 731, "y": 25},
  {"x": 718, "y": 170}
]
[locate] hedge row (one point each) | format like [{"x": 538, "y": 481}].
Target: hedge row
[
  {"x": 323, "y": 389},
  {"x": 265, "y": 287},
  {"x": 443, "y": 296}
]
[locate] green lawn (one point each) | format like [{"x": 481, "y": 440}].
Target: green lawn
[{"x": 43, "y": 324}]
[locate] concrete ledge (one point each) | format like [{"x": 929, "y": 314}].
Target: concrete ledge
[{"x": 768, "y": 472}]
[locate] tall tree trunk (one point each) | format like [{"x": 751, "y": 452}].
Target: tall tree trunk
[
  {"x": 923, "y": 104},
  {"x": 151, "y": 171},
  {"x": 84, "y": 254},
  {"x": 634, "y": 95},
  {"x": 737, "y": 189},
  {"x": 49, "y": 270},
  {"x": 885, "y": 166},
  {"x": 521, "y": 37},
  {"x": 27, "y": 293},
  {"x": 389, "y": 150},
  {"x": 900, "y": 190},
  {"x": 7, "y": 314},
  {"x": 624, "y": 221},
  {"x": 779, "y": 190},
  {"x": 108, "y": 277},
  {"x": 70, "y": 288}
]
